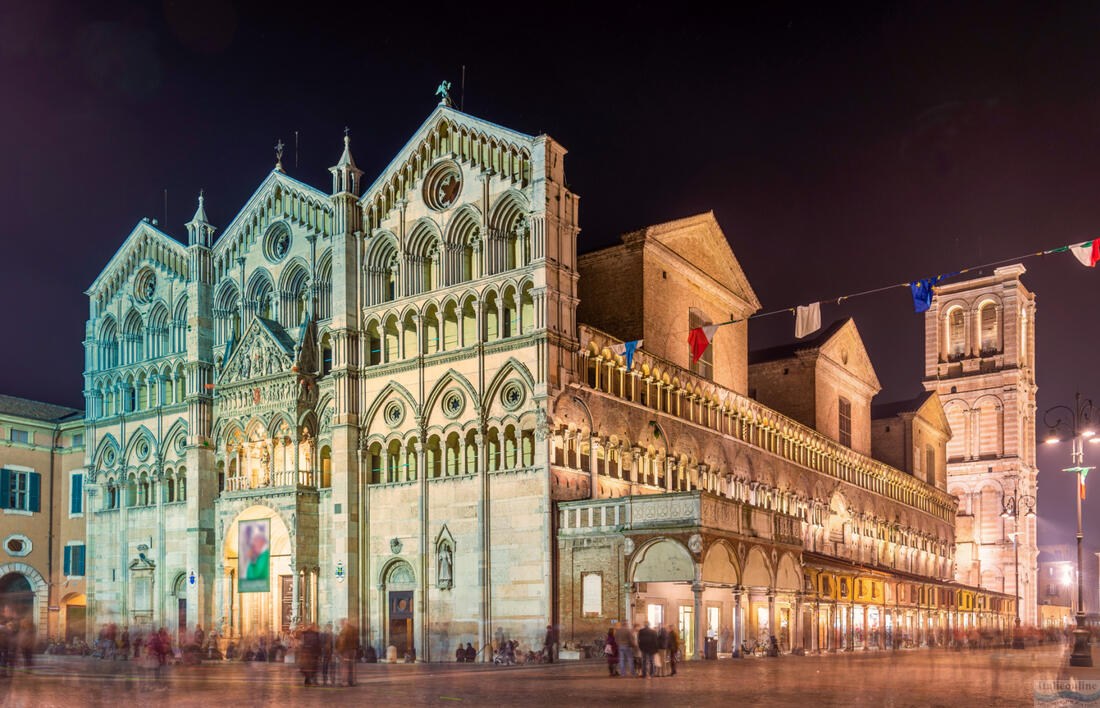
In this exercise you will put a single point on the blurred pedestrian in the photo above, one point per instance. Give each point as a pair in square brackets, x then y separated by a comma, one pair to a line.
[308, 654]
[348, 646]
[611, 651]
[647, 643]
[673, 649]
[328, 669]
[548, 644]
[626, 643]
[27, 640]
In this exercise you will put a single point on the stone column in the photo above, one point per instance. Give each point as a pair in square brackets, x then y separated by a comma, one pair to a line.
[593, 467]
[772, 629]
[738, 629]
[423, 651]
[866, 628]
[483, 529]
[850, 634]
[700, 637]
[796, 625]
[815, 639]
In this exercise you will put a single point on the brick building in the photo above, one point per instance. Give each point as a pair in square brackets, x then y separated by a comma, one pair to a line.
[980, 359]
[738, 497]
[42, 556]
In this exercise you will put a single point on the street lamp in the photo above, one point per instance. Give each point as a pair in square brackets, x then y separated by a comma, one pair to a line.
[1079, 418]
[1011, 508]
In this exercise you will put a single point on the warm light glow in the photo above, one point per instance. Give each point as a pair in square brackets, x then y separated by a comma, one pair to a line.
[1051, 439]
[1067, 575]
[1088, 433]
[1094, 440]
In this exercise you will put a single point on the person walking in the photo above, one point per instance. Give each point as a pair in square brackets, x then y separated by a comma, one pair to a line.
[309, 651]
[328, 673]
[626, 643]
[26, 641]
[661, 660]
[673, 649]
[611, 651]
[548, 644]
[647, 643]
[347, 644]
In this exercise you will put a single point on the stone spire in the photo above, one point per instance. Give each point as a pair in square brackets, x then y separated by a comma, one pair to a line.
[345, 175]
[200, 232]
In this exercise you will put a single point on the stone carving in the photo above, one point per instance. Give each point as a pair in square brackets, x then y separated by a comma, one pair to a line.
[446, 561]
[695, 543]
[395, 545]
[628, 546]
[663, 510]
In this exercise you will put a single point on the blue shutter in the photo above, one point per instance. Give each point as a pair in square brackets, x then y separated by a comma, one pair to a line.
[79, 563]
[32, 497]
[5, 488]
[68, 565]
[78, 491]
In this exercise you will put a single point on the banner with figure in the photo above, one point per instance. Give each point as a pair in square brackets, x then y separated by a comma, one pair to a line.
[254, 556]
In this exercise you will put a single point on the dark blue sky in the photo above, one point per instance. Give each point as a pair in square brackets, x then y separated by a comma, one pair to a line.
[842, 148]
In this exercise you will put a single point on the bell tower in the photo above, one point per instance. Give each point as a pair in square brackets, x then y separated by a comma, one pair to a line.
[980, 358]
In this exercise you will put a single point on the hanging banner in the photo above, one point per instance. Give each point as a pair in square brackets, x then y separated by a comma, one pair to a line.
[254, 556]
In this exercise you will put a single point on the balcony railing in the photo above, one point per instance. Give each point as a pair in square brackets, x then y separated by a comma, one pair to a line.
[652, 382]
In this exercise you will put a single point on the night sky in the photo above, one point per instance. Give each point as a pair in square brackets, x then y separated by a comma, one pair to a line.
[840, 148]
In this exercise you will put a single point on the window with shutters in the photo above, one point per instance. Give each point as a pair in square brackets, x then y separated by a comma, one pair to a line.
[844, 414]
[76, 499]
[20, 436]
[956, 333]
[19, 490]
[988, 319]
[929, 464]
[73, 564]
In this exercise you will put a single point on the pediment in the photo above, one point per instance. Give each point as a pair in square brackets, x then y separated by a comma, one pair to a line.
[279, 197]
[845, 348]
[266, 349]
[146, 244]
[445, 125]
[700, 241]
[932, 411]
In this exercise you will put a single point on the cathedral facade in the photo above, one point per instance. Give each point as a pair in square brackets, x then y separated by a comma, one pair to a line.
[377, 402]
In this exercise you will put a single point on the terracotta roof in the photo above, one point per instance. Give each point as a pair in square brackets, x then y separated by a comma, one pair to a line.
[36, 410]
[787, 351]
[889, 410]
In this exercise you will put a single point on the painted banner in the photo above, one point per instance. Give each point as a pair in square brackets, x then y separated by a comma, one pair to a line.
[254, 556]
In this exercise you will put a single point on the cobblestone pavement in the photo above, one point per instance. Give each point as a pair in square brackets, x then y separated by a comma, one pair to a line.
[909, 678]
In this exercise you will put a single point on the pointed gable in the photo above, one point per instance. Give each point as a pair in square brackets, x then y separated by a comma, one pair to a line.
[845, 349]
[479, 143]
[278, 198]
[699, 241]
[265, 349]
[145, 244]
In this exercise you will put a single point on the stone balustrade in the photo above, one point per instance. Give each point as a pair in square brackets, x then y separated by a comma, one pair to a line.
[665, 387]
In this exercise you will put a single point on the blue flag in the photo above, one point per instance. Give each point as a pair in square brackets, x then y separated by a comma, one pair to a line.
[923, 290]
[626, 350]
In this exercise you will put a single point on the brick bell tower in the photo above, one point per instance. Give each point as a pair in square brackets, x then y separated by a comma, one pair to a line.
[979, 356]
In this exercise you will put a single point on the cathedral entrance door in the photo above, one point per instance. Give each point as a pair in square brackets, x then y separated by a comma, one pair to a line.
[256, 555]
[401, 620]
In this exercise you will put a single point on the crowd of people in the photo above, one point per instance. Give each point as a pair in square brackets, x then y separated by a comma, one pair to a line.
[642, 652]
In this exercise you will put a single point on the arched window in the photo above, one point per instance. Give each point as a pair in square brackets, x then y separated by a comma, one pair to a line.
[988, 319]
[956, 333]
[108, 343]
[326, 354]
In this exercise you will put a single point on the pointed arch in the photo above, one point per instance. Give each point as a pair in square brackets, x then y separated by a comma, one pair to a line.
[451, 377]
[391, 389]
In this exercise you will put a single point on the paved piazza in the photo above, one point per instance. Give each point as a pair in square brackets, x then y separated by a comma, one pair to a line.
[913, 678]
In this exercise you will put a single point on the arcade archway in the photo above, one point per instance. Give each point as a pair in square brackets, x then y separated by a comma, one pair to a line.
[16, 597]
[259, 585]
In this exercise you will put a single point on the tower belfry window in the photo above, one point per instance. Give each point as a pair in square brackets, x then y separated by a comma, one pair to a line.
[844, 416]
[989, 327]
[956, 332]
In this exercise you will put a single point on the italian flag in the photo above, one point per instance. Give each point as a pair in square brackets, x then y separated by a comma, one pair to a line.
[699, 339]
[1088, 253]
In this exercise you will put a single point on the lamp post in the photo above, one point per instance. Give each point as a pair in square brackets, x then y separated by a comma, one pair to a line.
[1011, 508]
[1079, 418]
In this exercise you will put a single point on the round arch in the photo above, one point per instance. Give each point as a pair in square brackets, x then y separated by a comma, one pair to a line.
[720, 565]
[23, 589]
[757, 572]
[662, 560]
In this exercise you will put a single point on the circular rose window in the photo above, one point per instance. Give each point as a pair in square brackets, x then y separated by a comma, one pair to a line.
[442, 186]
